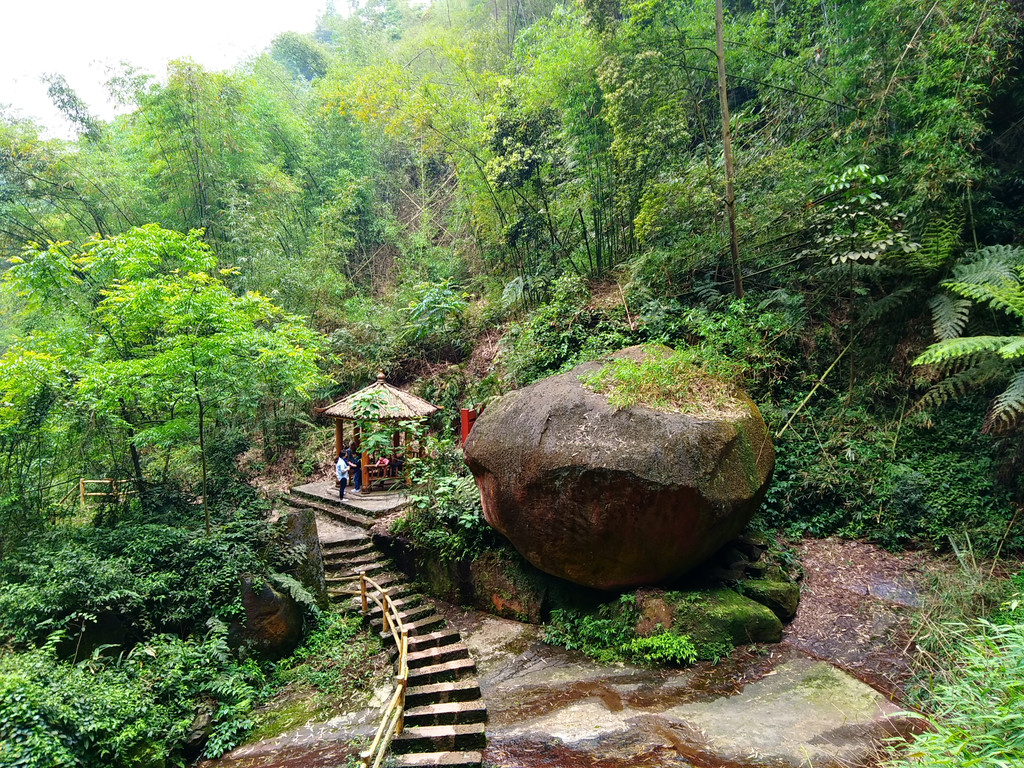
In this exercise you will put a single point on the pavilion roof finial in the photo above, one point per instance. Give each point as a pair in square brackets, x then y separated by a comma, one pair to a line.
[381, 376]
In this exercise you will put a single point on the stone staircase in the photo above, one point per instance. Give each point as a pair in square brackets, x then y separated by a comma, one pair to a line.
[445, 714]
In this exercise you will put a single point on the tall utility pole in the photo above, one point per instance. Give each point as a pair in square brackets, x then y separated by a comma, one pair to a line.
[730, 194]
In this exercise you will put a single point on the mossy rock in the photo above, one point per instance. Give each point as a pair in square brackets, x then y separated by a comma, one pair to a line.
[722, 617]
[782, 597]
[288, 711]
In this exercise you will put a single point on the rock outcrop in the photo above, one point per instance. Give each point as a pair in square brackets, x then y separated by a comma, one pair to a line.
[613, 497]
[301, 537]
[273, 621]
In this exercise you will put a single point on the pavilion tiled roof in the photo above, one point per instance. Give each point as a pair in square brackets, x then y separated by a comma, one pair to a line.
[395, 404]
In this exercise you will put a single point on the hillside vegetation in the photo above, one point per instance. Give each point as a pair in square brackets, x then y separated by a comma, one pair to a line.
[470, 196]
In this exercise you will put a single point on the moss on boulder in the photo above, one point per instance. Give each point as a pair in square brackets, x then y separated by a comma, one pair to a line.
[714, 618]
[782, 597]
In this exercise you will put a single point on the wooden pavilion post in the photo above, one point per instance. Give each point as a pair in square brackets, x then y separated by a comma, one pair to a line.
[339, 438]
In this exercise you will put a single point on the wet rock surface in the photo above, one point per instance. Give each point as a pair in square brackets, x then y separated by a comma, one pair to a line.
[778, 707]
[803, 702]
[611, 497]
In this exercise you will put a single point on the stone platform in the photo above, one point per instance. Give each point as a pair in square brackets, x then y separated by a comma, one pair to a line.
[373, 504]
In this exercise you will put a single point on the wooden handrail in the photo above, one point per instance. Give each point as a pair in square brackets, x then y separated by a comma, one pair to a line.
[115, 490]
[393, 718]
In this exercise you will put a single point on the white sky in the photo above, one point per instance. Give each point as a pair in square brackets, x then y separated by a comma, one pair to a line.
[80, 38]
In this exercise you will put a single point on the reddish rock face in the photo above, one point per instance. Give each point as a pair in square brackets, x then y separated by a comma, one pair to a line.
[616, 498]
[273, 621]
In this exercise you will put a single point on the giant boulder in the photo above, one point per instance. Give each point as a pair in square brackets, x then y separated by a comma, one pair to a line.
[612, 497]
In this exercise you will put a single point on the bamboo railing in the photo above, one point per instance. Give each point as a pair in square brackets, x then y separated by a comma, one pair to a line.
[393, 718]
[115, 489]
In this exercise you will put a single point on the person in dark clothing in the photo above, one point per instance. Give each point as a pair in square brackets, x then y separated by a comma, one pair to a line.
[353, 463]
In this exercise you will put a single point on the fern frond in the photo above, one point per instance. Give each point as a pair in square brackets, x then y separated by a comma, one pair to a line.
[1007, 408]
[1006, 295]
[959, 384]
[708, 293]
[942, 352]
[1013, 350]
[949, 316]
[887, 304]
[991, 264]
[939, 241]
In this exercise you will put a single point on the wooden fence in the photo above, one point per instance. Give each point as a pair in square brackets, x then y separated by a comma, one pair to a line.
[116, 491]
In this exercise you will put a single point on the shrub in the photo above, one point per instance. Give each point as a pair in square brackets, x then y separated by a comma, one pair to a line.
[853, 472]
[664, 648]
[978, 704]
[561, 334]
[445, 516]
[153, 578]
[607, 634]
[132, 710]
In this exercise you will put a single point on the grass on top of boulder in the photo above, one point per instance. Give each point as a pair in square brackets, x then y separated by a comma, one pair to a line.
[657, 377]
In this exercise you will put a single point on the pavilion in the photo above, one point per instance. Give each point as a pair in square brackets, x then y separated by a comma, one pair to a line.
[388, 404]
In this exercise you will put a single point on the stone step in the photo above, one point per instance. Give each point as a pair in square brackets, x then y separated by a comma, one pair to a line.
[449, 713]
[445, 672]
[342, 570]
[355, 603]
[465, 689]
[389, 582]
[348, 558]
[358, 540]
[440, 759]
[401, 603]
[431, 623]
[430, 656]
[409, 616]
[343, 514]
[386, 580]
[432, 738]
[433, 640]
[333, 552]
[347, 575]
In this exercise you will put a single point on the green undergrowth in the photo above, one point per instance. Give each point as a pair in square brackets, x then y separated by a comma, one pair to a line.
[337, 659]
[139, 578]
[977, 703]
[608, 634]
[863, 473]
[336, 666]
[117, 648]
[125, 708]
[445, 517]
[969, 636]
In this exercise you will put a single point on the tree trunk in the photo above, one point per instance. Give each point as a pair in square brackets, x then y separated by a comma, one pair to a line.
[202, 453]
[730, 194]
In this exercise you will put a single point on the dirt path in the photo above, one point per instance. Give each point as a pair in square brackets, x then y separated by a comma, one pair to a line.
[855, 608]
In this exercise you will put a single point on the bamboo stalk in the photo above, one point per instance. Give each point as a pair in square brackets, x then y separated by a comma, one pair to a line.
[813, 390]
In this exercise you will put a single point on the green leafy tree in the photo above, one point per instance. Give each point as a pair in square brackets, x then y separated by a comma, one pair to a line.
[163, 350]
